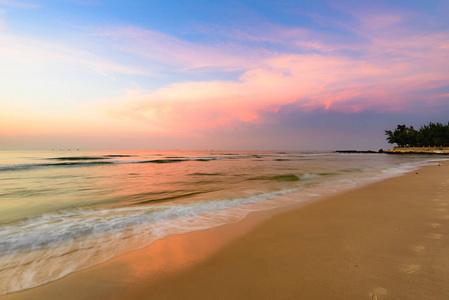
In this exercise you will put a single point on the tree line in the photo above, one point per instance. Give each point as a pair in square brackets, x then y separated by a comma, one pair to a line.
[432, 135]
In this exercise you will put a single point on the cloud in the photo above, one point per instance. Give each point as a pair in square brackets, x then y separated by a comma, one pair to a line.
[388, 74]
[34, 51]
[180, 54]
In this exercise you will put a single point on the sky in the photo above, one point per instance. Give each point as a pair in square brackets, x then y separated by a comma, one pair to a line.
[248, 74]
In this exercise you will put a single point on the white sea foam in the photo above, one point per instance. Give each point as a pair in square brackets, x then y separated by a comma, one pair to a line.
[401, 169]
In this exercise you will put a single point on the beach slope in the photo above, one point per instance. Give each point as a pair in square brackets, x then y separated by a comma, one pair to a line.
[388, 240]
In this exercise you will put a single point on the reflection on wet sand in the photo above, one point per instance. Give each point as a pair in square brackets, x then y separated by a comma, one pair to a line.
[122, 276]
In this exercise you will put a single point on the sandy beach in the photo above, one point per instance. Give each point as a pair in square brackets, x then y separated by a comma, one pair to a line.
[387, 240]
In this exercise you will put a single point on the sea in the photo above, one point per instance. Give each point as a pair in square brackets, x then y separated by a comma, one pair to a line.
[62, 211]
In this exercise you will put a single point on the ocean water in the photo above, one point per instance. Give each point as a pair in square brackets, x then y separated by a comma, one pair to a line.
[63, 211]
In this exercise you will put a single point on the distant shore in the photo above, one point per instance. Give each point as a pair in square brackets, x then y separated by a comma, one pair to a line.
[404, 150]
[387, 240]
[421, 150]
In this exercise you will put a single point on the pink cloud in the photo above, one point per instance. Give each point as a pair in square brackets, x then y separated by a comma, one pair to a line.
[378, 81]
[374, 22]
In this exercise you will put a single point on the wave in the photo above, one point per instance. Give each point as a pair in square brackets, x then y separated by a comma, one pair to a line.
[27, 166]
[158, 161]
[206, 174]
[107, 156]
[402, 169]
[94, 162]
[142, 198]
[39, 250]
[81, 161]
[308, 176]
[286, 177]
[51, 229]
[79, 158]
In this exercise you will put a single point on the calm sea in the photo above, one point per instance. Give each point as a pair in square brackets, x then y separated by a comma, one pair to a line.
[62, 211]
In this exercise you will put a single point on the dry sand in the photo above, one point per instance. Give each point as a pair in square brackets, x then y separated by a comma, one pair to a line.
[388, 240]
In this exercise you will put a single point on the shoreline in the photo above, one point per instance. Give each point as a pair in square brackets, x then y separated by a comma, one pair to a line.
[387, 240]
[230, 249]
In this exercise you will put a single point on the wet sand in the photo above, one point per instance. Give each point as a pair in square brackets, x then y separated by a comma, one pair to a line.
[387, 240]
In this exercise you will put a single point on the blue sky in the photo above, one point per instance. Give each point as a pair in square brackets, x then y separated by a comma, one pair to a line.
[219, 74]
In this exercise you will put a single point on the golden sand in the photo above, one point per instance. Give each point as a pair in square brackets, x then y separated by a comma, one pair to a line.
[388, 240]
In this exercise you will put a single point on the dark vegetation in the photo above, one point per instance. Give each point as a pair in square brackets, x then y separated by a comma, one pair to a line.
[432, 135]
